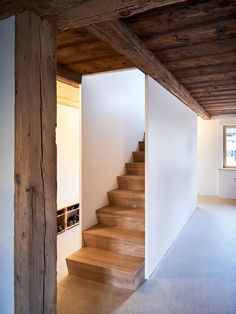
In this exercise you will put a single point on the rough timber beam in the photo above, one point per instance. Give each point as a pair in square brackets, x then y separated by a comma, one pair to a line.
[76, 13]
[68, 77]
[125, 42]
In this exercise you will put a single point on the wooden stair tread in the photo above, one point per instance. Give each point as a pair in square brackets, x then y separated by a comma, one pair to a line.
[135, 163]
[125, 191]
[131, 182]
[132, 176]
[107, 259]
[139, 156]
[136, 236]
[122, 211]
[135, 168]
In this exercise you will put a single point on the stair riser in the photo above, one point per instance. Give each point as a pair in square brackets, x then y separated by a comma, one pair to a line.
[113, 244]
[126, 200]
[131, 183]
[115, 278]
[135, 169]
[121, 222]
[142, 146]
[138, 156]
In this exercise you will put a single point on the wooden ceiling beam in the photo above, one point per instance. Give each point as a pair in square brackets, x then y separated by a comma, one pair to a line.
[66, 76]
[125, 42]
[76, 13]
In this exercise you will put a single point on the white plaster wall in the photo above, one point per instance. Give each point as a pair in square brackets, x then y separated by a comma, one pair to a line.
[212, 178]
[210, 149]
[7, 101]
[171, 179]
[68, 155]
[112, 125]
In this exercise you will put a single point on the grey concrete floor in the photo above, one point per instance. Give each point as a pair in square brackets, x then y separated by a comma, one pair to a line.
[196, 276]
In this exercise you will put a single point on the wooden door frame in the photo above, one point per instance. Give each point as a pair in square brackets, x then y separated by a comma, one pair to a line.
[35, 165]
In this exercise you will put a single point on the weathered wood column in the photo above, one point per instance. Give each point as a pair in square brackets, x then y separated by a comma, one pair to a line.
[35, 165]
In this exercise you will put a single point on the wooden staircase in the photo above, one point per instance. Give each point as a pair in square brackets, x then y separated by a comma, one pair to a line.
[113, 250]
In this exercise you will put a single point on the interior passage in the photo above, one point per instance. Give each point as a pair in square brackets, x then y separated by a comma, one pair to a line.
[197, 274]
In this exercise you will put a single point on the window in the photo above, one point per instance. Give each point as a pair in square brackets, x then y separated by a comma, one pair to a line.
[230, 146]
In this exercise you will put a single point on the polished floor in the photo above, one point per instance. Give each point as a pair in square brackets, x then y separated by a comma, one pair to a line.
[196, 276]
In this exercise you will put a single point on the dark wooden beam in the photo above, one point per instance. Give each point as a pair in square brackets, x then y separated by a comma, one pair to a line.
[125, 42]
[76, 13]
[68, 77]
[35, 165]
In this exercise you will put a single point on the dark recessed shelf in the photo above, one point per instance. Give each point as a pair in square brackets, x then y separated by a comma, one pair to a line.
[63, 214]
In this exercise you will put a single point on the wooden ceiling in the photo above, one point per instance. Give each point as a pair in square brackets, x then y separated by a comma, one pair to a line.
[194, 40]
[188, 46]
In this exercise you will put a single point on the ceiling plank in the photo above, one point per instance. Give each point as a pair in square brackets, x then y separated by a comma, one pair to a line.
[125, 42]
[76, 13]
[100, 65]
[214, 88]
[66, 76]
[213, 60]
[213, 77]
[223, 68]
[220, 46]
[181, 16]
[196, 34]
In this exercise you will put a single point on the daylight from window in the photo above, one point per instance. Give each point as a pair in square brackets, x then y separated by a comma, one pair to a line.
[230, 146]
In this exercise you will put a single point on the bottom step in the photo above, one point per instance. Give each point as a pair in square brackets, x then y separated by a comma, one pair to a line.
[113, 268]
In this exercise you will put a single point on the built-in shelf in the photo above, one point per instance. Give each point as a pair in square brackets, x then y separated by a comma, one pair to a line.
[67, 218]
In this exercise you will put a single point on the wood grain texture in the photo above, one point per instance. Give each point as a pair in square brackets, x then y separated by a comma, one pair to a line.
[123, 241]
[114, 249]
[135, 168]
[126, 198]
[218, 46]
[183, 15]
[35, 166]
[121, 217]
[68, 77]
[74, 13]
[195, 35]
[107, 266]
[119, 36]
[139, 156]
[131, 182]
[142, 145]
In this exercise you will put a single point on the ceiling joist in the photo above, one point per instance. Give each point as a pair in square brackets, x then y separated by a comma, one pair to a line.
[68, 77]
[76, 13]
[125, 42]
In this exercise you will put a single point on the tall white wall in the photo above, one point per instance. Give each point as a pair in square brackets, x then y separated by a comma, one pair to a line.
[171, 180]
[7, 101]
[210, 149]
[68, 155]
[212, 178]
[112, 125]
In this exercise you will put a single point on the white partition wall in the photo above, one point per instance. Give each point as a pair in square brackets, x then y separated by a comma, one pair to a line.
[171, 184]
[112, 125]
[7, 103]
[68, 155]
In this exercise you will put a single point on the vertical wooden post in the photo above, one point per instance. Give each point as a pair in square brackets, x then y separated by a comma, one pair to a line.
[35, 166]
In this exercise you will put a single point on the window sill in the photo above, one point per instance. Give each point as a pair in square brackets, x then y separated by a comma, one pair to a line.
[228, 169]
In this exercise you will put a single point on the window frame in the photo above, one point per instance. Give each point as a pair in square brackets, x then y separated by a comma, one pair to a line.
[225, 127]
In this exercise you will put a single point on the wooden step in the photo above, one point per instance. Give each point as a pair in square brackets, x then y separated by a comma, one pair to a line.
[123, 241]
[126, 198]
[113, 268]
[130, 182]
[135, 168]
[121, 217]
[139, 156]
[142, 145]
